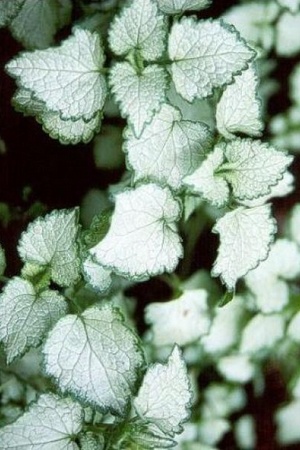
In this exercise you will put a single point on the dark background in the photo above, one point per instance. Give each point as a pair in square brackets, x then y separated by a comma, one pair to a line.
[59, 176]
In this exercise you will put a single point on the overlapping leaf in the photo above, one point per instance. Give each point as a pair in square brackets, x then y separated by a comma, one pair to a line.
[140, 95]
[27, 316]
[67, 78]
[179, 6]
[142, 240]
[96, 357]
[51, 423]
[168, 149]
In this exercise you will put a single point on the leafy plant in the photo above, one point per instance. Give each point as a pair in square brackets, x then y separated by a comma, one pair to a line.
[192, 93]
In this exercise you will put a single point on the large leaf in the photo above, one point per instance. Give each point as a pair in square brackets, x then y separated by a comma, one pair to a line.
[27, 316]
[179, 6]
[50, 424]
[96, 357]
[142, 240]
[168, 149]
[204, 55]
[67, 78]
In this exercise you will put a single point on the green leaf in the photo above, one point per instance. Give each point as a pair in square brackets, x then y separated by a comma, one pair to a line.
[8, 10]
[168, 149]
[239, 109]
[179, 6]
[67, 78]
[51, 241]
[139, 27]
[245, 239]
[96, 357]
[164, 397]
[142, 240]
[38, 21]
[50, 423]
[205, 55]
[26, 316]
[2, 260]
[139, 95]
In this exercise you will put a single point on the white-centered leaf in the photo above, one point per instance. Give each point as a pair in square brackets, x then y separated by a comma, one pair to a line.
[262, 332]
[27, 316]
[50, 423]
[8, 10]
[287, 34]
[245, 238]
[180, 321]
[142, 240]
[268, 282]
[38, 21]
[67, 78]
[139, 27]
[67, 131]
[139, 95]
[96, 357]
[239, 109]
[96, 275]
[205, 55]
[207, 182]
[236, 368]
[253, 167]
[164, 397]
[179, 6]
[51, 242]
[168, 149]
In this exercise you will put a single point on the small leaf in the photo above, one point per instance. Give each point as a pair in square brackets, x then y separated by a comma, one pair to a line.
[246, 236]
[253, 167]
[51, 241]
[140, 95]
[205, 55]
[227, 298]
[165, 397]
[262, 333]
[143, 240]
[239, 109]
[51, 423]
[27, 316]
[168, 149]
[8, 10]
[149, 437]
[96, 275]
[38, 21]
[206, 180]
[96, 357]
[67, 78]
[287, 34]
[179, 6]
[139, 27]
